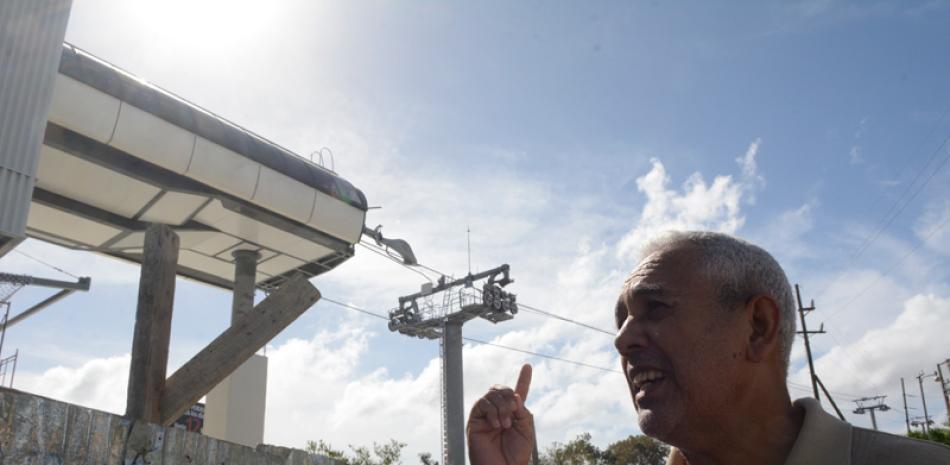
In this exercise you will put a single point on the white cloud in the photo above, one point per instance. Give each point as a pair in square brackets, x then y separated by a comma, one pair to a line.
[873, 363]
[747, 163]
[100, 383]
[855, 155]
[320, 386]
[315, 391]
[931, 228]
[784, 235]
[715, 206]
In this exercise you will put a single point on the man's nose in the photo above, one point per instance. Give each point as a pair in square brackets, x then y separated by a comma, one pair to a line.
[630, 337]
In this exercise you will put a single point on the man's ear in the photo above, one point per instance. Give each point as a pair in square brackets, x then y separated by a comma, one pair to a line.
[764, 318]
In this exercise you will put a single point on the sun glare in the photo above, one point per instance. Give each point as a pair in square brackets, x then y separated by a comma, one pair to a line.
[207, 25]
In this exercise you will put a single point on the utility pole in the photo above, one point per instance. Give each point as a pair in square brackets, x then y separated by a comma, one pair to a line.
[805, 332]
[906, 412]
[920, 381]
[943, 388]
[815, 380]
[878, 404]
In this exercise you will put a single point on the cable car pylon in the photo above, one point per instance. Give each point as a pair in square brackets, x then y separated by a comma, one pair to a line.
[425, 316]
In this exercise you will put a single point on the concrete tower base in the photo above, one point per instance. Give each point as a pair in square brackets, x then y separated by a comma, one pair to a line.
[234, 409]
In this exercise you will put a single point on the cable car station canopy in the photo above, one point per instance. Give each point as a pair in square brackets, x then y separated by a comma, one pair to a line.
[120, 153]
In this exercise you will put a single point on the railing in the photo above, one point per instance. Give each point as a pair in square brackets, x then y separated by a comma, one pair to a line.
[5, 367]
[317, 158]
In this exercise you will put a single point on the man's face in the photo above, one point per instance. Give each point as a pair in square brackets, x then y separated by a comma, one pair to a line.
[681, 352]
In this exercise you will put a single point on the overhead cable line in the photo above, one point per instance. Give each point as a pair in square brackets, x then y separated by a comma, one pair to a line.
[920, 146]
[914, 195]
[379, 251]
[568, 320]
[897, 213]
[862, 356]
[884, 223]
[808, 388]
[399, 262]
[892, 267]
[537, 354]
[45, 263]
[354, 308]
[478, 341]
[550, 357]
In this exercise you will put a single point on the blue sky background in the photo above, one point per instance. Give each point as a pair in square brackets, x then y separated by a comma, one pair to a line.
[561, 133]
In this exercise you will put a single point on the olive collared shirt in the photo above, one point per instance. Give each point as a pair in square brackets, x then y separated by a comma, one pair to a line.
[826, 440]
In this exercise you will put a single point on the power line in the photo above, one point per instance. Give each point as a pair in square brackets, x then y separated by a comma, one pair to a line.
[892, 267]
[355, 308]
[884, 223]
[373, 248]
[550, 357]
[45, 263]
[381, 251]
[567, 320]
[815, 380]
[538, 354]
[897, 213]
[808, 389]
[399, 262]
[478, 341]
[906, 166]
[420, 265]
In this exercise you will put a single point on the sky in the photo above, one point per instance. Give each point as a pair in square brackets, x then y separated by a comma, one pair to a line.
[564, 135]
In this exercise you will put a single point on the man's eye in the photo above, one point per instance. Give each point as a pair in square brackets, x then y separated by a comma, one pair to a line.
[655, 308]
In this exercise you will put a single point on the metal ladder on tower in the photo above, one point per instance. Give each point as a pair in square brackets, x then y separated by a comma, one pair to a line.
[446, 302]
[442, 400]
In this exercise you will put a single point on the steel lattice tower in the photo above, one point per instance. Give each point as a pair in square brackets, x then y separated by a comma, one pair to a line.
[423, 316]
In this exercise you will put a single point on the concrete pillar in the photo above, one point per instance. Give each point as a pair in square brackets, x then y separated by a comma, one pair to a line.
[245, 277]
[31, 44]
[454, 395]
[235, 408]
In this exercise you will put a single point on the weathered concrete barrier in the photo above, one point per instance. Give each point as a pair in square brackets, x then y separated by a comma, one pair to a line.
[41, 431]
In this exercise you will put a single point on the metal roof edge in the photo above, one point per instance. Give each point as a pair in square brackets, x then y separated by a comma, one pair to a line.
[112, 80]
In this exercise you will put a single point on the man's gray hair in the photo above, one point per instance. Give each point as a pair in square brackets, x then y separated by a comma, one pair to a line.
[740, 270]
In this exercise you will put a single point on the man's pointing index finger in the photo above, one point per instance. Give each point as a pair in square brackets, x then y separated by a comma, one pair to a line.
[524, 382]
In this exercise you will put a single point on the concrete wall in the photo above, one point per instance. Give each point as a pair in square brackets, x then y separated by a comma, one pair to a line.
[37, 430]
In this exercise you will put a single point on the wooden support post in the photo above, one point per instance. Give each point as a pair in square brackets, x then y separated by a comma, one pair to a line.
[235, 346]
[153, 321]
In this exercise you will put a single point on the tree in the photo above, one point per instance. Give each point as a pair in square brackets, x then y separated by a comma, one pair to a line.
[389, 454]
[385, 454]
[579, 451]
[636, 450]
[426, 459]
[322, 448]
[939, 435]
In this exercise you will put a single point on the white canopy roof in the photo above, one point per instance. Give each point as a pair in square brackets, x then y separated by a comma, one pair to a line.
[120, 153]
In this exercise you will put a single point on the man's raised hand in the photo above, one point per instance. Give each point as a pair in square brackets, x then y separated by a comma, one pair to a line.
[500, 428]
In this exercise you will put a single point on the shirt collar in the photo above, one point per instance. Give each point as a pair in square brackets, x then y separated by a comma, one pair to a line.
[823, 439]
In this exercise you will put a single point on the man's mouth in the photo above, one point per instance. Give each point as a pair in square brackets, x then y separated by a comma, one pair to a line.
[646, 378]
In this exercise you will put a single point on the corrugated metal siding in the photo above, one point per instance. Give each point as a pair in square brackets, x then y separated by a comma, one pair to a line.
[16, 189]
[31, 38]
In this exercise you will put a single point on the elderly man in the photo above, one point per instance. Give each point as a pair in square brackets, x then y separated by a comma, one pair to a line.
[705, 325]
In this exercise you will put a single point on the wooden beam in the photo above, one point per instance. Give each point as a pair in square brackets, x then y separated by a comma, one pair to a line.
[153, 322]
[235, 346]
